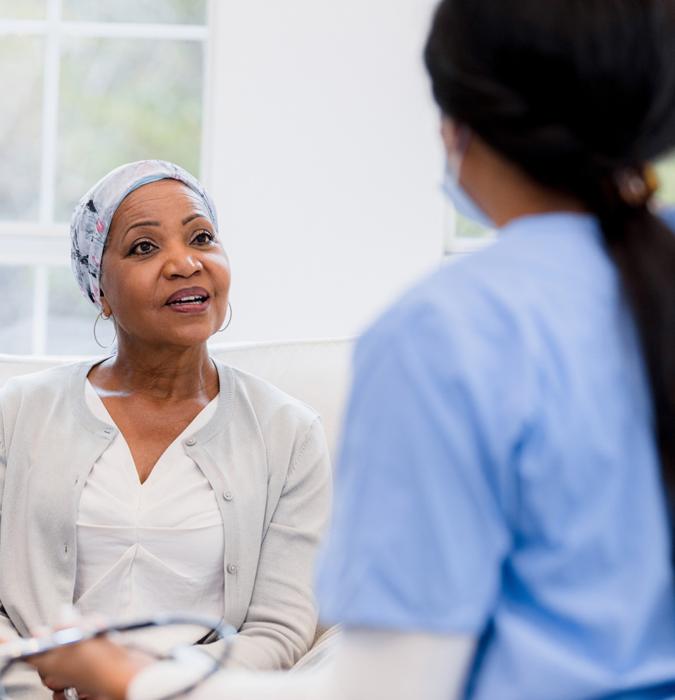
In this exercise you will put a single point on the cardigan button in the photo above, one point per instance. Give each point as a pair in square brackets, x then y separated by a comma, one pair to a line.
[228, 495]
[232, 568]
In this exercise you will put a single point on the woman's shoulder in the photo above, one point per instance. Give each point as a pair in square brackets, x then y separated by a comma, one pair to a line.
[266, 400]
[40, 386]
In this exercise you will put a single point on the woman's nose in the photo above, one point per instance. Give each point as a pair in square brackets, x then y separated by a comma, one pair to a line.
[182, 264]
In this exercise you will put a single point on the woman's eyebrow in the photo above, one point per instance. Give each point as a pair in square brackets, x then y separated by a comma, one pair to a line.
[194, 216]
[142, 223]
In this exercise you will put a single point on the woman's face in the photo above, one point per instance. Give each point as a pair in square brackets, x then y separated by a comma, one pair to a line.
[165, 275]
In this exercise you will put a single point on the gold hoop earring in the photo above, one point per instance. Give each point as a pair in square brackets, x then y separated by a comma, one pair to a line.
[229, 320]
[98, 342]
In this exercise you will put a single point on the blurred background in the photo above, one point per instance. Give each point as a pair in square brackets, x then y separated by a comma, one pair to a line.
[311, 124]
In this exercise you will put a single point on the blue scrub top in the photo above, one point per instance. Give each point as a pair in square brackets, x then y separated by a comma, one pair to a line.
[499, 476]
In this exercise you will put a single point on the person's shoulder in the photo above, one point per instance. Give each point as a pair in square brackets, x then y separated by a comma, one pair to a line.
[494, 294]
[25, 398]
[41, 384]
[264, 399]
[451, 305]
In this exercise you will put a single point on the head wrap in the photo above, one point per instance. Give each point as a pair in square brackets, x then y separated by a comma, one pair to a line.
[93, 214]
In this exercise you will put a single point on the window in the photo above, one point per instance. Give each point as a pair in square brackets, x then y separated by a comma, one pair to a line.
[666, 172]
[86, 86]
[462, 235]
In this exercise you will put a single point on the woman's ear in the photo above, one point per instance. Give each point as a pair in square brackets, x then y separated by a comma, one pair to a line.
[107, 311]
[450, 135]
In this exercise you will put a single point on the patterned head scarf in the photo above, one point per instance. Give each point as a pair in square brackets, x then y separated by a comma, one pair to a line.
[94, 212]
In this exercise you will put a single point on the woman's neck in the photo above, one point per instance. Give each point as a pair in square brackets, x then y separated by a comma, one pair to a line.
[504, 191]
[163, 374]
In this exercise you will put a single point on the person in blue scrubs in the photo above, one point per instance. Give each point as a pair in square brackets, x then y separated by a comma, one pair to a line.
[502, 527]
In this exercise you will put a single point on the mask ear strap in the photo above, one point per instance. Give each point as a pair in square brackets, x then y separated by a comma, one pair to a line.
[462, 138]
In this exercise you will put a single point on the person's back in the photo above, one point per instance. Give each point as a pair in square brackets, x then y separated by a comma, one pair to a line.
[587, 602]
[587, 598]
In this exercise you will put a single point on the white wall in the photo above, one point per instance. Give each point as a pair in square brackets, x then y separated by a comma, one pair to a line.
[325, 160]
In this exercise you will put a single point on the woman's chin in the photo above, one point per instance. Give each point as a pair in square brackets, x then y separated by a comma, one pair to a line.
[179, 338]
[191, 339]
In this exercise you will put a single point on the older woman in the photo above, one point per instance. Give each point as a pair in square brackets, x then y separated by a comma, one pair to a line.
[159, 479]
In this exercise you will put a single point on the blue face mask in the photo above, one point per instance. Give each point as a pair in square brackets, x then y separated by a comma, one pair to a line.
[463, 203]
[461, 200]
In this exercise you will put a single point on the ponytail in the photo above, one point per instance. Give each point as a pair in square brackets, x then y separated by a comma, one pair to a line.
[643, 249]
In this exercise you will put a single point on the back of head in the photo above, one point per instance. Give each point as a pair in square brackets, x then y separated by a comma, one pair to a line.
[581, 95]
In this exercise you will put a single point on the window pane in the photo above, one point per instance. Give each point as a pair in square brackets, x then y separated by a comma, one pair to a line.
[22, 9]
[466, 228]
[666, 170]
[21, 59]
[16, 311]
[157, 11]
[70, 329]
[125, 100]
[462, 234]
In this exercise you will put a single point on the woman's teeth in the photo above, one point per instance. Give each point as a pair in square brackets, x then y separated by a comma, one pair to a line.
[189, 300]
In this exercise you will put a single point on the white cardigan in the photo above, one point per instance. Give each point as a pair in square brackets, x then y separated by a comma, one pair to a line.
[263, 452]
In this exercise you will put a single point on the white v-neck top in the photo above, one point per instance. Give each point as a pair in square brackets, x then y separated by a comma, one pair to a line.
[149, 548]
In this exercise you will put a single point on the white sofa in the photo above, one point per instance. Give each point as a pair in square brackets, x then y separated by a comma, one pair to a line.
[314, 371]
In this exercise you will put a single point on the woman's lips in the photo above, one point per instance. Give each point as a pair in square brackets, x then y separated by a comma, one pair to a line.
[189, 301]
[191, 307]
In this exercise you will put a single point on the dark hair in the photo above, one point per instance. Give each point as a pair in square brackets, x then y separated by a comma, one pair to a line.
[579, 93]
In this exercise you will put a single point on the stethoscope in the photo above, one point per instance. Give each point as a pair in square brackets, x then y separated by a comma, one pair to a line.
[205, 665]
